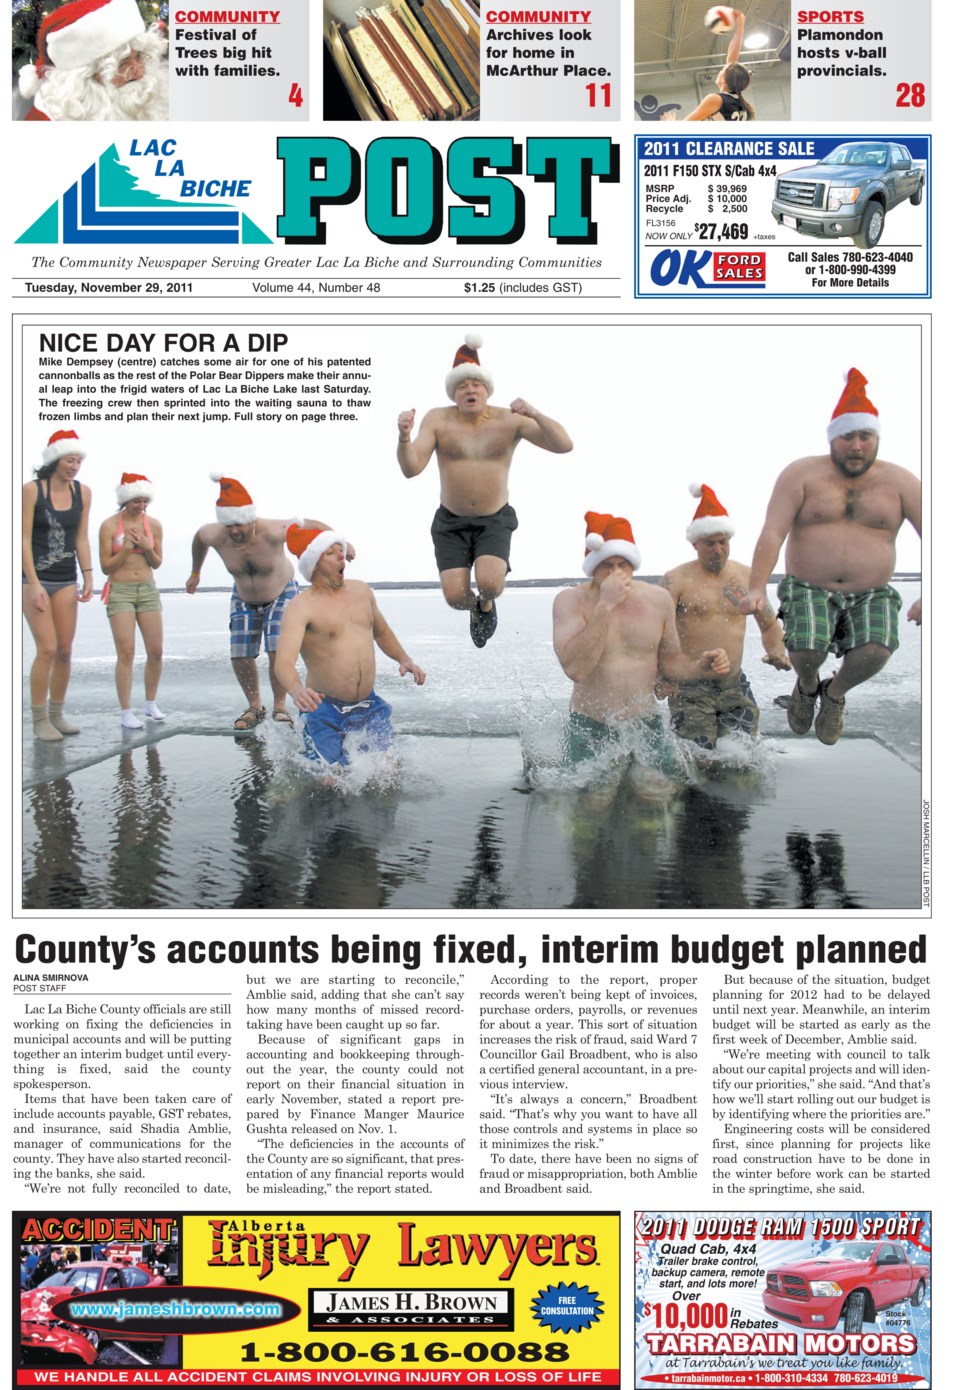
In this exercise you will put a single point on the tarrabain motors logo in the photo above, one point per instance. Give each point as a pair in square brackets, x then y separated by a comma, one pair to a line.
[710, 270]
[108, 204]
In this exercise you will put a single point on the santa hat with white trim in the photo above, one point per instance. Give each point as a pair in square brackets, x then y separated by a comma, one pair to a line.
[608, 536]
[854, 411]
[79, 33]
[134, 485]
[466, 365]
[710, 518]
[234, 505]
[309, 544]
[60, 444]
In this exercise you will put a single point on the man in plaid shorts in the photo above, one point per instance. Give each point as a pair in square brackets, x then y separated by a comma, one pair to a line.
[839, 514]
[252, 549]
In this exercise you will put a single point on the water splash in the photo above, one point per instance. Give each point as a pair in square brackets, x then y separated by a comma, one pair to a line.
[370, 771]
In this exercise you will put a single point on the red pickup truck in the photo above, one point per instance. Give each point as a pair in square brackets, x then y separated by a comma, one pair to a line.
[853, 1281]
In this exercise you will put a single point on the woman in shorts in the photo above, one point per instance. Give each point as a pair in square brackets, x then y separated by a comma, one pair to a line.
[131, 548]
[56, 513]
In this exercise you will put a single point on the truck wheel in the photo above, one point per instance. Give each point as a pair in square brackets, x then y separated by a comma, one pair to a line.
[917, 198]
[871, 227]
[919, 1294]
[856, 1307]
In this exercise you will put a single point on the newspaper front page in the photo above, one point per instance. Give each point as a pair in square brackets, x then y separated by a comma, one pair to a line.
[471, 904]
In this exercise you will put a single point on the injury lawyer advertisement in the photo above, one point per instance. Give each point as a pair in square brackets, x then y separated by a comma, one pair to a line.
[470, 895]
[329, 1297]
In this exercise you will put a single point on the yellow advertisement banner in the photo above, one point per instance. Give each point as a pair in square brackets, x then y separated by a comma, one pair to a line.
[441, 1298]
[370, 1299]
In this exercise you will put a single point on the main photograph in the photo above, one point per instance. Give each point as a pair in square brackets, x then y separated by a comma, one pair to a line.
[324, 616]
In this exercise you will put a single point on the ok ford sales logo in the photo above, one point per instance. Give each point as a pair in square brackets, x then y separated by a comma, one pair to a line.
[108, 204]
[710, 270]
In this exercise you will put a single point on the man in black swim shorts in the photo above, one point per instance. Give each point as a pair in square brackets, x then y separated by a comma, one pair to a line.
[474, 444]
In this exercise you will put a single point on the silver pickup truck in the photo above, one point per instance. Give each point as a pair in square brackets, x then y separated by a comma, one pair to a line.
[850, 191]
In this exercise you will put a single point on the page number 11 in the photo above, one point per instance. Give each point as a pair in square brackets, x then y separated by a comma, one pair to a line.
[604, 93]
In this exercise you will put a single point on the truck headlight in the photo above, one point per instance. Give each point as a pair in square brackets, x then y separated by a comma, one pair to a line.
[825, 1288]
[837, 197]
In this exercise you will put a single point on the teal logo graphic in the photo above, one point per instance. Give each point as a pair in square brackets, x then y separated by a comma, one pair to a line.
[106, 206]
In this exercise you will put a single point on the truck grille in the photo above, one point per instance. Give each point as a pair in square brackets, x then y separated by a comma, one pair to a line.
[789, 1285]
[803, 195]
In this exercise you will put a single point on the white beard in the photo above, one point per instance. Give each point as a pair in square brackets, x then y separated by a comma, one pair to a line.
[87, 94]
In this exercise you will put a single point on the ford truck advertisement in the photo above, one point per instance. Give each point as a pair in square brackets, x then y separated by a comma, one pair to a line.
[850, 192]
[852, 1282]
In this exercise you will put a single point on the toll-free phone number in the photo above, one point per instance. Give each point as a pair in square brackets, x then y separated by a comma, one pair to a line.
[433, 1352]
[803, 1379]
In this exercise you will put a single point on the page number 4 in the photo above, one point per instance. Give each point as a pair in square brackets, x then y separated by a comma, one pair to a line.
[296, 94]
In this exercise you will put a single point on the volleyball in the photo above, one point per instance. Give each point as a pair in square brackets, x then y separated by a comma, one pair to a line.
[719, 19]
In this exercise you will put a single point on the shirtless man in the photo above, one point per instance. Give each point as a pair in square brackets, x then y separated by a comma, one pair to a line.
[614, 637]
[474, 444]
[251, 548]
[839, 514]
[706, 593]
[333, 625]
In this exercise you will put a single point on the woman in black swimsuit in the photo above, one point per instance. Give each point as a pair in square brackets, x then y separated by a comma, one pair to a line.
[729, 103]
[56, 510]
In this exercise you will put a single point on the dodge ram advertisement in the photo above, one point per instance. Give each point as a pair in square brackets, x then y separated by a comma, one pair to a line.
[783, 1298]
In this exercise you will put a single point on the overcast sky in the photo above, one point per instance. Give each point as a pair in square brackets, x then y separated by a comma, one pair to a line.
[650, 407]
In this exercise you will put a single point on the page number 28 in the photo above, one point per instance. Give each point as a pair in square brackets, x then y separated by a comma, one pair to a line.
[911, 94]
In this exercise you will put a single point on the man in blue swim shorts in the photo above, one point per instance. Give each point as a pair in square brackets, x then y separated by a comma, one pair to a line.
[251, 548]
[333, 625]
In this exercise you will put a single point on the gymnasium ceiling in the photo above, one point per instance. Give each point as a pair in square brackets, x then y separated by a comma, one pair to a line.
[670, 37]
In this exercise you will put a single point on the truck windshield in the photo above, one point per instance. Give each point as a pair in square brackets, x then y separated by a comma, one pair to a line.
[875, 155]
[852, 1250]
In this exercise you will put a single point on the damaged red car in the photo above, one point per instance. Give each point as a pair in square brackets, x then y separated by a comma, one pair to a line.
[43, 1334]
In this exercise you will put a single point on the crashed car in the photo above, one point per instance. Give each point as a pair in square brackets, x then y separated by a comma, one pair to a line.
[43, 1334]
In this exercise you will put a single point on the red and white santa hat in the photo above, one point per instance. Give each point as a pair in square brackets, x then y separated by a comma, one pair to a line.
[466, 365]
[854, 411]
[608, 536]
[710, 518]
[310, 543]
[60, 444]
[79, 33]
[134, 485]
[234, 505]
